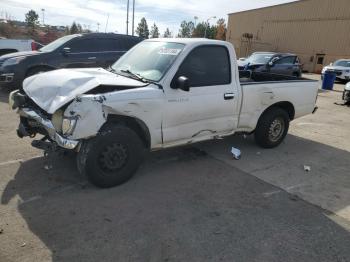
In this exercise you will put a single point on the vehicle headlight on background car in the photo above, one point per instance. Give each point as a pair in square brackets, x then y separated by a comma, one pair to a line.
[68, 125]
[13, 61]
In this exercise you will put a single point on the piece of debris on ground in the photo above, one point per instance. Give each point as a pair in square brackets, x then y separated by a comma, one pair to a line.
[307, 168]
[236, 153]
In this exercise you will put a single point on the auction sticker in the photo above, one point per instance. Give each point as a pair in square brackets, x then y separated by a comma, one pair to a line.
[169, 51]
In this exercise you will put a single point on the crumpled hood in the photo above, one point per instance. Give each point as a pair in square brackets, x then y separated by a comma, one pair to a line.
[52, 90]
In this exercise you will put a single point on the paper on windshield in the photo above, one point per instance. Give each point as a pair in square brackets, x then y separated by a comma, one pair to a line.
[169, 51]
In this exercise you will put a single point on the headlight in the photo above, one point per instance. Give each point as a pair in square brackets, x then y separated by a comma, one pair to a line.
[13, 61]
[68, 125]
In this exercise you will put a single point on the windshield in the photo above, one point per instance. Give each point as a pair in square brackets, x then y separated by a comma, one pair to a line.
[149, 60]
[344, 63]
[57, 43]
[259, 58]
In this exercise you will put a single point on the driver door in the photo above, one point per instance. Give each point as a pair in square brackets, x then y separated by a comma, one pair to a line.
[209, 107]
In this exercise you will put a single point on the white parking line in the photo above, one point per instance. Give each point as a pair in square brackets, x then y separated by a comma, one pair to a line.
[51, 192]
[19, 160]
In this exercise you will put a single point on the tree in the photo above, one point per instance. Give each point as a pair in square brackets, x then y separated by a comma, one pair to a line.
[186, 29]
[167, 33]
[154, 31]
[199, 30]
[74, 29]
[221, 30]
[32, 19]
[142, 28]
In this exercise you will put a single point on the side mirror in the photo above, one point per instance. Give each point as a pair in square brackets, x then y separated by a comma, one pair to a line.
[183, 83]
[271, 64]
[66, 50]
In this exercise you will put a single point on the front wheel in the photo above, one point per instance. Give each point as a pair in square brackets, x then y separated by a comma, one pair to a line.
[272, 127]
[112, 157]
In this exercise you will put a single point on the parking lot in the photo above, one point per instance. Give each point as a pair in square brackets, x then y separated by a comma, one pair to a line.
[186, 204]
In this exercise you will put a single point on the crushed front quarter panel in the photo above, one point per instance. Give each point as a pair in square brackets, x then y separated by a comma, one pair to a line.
[52, 90]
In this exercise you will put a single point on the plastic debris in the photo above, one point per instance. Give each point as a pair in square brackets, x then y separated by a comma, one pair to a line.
[307, 168]
[48, 167]
[236, 153]
[23, 245]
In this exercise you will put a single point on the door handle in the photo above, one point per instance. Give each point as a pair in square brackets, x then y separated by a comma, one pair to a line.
[92, 57]
[229, 96]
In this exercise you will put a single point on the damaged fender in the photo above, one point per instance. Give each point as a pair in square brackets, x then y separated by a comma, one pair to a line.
[90, 113]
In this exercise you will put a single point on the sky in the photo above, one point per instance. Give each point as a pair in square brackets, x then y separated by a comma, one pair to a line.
[165, 13]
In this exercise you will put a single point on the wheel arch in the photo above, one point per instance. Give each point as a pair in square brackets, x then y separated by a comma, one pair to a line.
[38, 66]
[285, 105]
[133, 123]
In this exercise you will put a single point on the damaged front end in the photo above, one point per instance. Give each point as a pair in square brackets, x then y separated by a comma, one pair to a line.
[34, 120]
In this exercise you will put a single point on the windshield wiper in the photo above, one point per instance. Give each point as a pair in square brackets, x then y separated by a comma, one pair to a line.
[138, 77]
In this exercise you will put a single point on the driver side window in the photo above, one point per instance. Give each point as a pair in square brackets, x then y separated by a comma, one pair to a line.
[206, 66]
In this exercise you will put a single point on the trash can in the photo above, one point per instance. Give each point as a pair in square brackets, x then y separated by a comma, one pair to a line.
[328, 80]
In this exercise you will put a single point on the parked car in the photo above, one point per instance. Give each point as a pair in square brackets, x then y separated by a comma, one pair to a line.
[346, 94]
[18, 45]
[162, 93]
[72, 51]
[276, 63]
[341, 68]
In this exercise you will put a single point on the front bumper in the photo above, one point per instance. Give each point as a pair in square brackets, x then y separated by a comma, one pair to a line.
[10, 78]
[346, 95]
[48, 126]
[33, 121]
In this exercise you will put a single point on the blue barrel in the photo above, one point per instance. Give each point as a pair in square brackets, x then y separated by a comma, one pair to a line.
[328, 80]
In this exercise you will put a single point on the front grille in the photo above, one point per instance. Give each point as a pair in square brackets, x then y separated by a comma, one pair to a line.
[337, 72]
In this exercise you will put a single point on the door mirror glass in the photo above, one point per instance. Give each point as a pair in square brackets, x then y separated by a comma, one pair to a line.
[271, 63]
[183, 83]
[66, 50]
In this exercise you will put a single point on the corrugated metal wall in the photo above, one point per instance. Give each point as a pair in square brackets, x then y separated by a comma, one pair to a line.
[306, 27]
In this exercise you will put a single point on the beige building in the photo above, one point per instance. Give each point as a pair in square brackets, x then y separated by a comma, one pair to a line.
[318, 31]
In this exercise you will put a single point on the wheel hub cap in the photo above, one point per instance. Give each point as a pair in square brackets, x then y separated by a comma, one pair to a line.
[276, 129]
[113, 157]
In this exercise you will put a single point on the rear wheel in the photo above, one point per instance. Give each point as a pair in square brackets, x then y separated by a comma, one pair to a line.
[112, 157]
[272, 127]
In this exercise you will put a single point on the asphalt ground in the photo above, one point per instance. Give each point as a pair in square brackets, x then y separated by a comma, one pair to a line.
[185, 204]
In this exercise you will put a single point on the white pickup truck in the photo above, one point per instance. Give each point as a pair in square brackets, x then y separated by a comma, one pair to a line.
[162, 93]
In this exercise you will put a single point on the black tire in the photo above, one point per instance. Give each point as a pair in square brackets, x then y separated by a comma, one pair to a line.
[272, 127]
[112, 157]
[37, 70]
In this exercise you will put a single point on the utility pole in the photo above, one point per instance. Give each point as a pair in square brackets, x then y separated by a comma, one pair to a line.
[106, 23]
[127, 18]
[43, 11]
[133, 16]
[207, 25]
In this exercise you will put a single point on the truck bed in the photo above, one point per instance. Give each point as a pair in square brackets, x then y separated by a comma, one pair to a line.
[249, 77]
[261, 90]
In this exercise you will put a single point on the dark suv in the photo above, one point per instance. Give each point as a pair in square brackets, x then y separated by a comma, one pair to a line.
[71, 51]
[276, 63]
